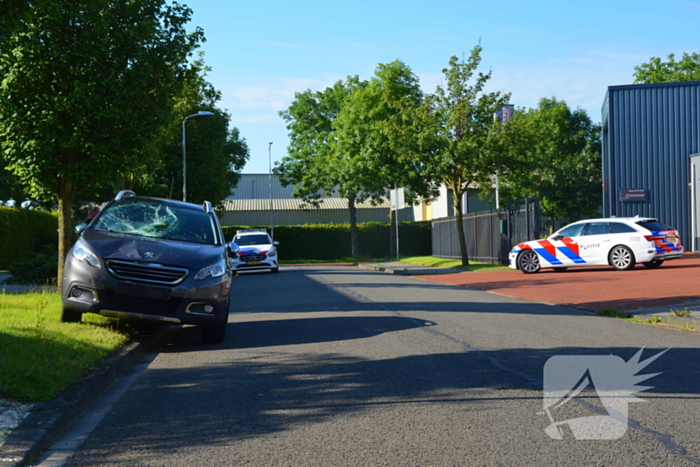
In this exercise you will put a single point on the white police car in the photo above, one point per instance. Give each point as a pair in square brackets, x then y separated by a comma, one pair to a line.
[254, 250]
[620, 242]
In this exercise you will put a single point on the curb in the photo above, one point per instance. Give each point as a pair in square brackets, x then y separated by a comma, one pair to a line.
[407, 271]
[48, 420]
[686, 323]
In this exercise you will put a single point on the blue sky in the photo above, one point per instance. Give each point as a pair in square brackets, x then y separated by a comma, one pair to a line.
[262, 53]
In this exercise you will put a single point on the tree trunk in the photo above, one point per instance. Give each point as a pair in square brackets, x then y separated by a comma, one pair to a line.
[65, 230]
[457, 197]
[354, 235]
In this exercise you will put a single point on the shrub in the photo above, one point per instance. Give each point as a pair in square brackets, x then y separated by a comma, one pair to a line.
[332, 241]
[36, 268]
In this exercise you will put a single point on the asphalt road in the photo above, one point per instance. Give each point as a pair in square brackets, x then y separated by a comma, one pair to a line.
[338, 366]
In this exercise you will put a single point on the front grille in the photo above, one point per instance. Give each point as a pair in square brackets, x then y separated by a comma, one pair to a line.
[146, 272]
[253, 258]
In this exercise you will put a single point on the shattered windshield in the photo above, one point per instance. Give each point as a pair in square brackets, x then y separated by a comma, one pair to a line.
[156, 220]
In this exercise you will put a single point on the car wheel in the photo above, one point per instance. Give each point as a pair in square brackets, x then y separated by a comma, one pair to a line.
[70, 316]
[653, 264]
[621, 258]
[528, 262]
[275, 270]
[216, 333]
[560, 269]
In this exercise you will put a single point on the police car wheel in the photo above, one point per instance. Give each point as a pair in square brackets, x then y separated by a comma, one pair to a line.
[653, 264]
[528, 262]
[621, 258]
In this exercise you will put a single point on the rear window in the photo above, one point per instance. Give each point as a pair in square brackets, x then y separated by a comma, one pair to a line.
[654, 226]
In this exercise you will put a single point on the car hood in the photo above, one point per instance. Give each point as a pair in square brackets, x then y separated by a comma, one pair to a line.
[255, 249]
[166, 252]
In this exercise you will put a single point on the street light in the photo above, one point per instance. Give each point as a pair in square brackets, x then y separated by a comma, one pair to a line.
[269, 155]
[201, 113]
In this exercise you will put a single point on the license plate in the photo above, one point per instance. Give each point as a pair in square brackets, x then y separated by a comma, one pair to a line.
[253, 263]
[143, 291]
[670, 239]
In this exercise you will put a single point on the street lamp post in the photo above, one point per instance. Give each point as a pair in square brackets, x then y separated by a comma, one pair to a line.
[269, 155]
[201, 113]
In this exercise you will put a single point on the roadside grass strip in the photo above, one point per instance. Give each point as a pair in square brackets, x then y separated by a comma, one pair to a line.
[451, 263]
[39, 355]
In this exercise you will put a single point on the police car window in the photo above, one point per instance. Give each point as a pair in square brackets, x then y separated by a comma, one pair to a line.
[619, 227]
[597, 228]
[571, 230]
[245, 240]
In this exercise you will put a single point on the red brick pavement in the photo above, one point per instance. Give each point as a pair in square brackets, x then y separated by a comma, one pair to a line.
[592, 288]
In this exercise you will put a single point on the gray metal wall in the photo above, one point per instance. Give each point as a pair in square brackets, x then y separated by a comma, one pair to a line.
[257, 186]
[649, 133]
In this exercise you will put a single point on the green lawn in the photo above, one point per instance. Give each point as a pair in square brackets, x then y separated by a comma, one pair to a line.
[451, 263]
[39, 355]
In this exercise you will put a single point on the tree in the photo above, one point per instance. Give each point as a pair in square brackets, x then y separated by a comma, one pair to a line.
[556, 157]
[672, 71]
[379, 139]
[88, 87]
[314, 163]
[460, 132]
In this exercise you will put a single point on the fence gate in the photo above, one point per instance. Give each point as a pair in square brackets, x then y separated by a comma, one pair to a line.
[491, 234]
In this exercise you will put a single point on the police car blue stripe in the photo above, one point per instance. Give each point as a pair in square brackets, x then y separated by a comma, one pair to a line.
[569, 253]
[547, 256]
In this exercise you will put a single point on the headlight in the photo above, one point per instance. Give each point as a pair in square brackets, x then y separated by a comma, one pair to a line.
[215, 270]
[272, 253]
[81, 253]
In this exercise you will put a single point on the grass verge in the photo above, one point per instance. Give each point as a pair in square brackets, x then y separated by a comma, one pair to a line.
[39, 355]
[451, 263]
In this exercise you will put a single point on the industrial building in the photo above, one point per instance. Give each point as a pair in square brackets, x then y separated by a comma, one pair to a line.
[651, 152]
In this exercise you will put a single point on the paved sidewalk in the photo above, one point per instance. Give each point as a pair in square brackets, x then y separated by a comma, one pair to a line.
[405, 269]
[660, 314]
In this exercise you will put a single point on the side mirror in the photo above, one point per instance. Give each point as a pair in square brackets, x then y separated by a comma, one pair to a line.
[276, 243]
[556, 237]
[232, 248]
[79, 229]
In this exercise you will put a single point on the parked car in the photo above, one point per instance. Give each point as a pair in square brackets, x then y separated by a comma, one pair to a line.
[620, 242]
[254, 250]
[151, 259]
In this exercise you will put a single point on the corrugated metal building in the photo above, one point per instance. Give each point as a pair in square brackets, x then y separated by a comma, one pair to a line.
[650, 132]
[250, 205]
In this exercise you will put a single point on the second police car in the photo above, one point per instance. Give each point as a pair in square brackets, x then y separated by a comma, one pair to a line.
[254, 250]
[620, 242]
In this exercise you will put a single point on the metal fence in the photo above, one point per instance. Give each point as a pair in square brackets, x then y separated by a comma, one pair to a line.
[491, 234]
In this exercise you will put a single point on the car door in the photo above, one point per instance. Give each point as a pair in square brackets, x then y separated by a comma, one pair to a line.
[595, 243]
[566, 243]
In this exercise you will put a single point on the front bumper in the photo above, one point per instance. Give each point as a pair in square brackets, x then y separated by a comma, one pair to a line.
[92, 290]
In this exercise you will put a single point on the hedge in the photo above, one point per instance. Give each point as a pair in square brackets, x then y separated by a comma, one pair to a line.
[332, 241]
[24, 231]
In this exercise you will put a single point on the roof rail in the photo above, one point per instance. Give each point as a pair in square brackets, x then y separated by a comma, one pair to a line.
[124, 194]
[207, 206]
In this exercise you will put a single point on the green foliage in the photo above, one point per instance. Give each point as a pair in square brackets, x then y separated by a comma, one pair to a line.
[332, 241]
[88, 88]
[459, 132]
[612, 313]
[554, 154]
[37, 268]
[671, 71]
[684, 313]
[23, 232]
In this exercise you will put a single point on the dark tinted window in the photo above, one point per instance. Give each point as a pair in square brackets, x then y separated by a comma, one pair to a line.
[653, 225]
[597, 228]
[258, 239]
[619, 227]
